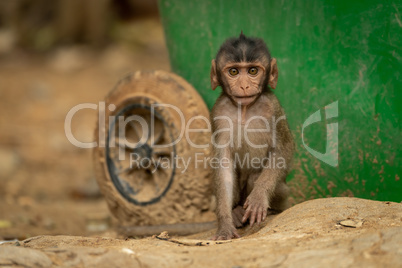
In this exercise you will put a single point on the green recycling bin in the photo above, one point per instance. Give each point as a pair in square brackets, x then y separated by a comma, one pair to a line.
[339, 82]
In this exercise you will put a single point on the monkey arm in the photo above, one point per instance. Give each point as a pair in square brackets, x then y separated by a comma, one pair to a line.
[257, 203]
[270, 185]
[270, 190]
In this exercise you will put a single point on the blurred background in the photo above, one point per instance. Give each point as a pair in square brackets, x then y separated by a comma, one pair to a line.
[53, 56]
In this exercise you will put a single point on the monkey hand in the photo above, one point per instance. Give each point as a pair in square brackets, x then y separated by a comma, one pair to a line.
[226, 233]
[256, 207]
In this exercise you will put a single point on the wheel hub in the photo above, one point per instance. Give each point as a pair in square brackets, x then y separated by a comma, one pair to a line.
[147, 177]
[144, 151]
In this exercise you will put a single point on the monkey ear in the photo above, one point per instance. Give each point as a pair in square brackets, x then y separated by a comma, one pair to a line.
[273, 76]
[214, 77]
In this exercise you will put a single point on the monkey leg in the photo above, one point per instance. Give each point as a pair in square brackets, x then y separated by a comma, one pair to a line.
[238, 211]
[226, 227]
[237, 215]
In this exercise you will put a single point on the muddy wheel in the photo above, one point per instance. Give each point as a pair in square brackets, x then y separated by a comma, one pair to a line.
[149, 169]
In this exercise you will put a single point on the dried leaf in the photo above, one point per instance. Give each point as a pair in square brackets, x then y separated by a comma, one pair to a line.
[351, 223]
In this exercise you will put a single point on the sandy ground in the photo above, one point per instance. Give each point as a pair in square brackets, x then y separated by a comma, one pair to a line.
[332, 232]
[51, 208]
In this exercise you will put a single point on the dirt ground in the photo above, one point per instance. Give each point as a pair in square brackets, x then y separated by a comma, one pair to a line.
[332, 232]
[54, 215]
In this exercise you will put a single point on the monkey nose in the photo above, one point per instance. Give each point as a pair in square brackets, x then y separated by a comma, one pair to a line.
[244, 87]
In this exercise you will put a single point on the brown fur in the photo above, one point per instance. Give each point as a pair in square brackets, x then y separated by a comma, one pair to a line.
[255, 189]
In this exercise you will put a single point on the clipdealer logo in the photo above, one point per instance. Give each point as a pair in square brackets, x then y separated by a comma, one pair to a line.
[330, 156]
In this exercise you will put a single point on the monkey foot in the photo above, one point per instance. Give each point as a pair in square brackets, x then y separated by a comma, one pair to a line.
[226, 234]
[237, 215]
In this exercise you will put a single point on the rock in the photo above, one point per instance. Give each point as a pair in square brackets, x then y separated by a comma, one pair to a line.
[26, 257]
[320, 258]
[366, 242]
[392, 240]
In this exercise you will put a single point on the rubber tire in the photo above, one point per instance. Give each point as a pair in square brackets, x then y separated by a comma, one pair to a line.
[189, 194]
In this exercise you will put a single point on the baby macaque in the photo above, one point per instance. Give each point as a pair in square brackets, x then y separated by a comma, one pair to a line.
[251, 136]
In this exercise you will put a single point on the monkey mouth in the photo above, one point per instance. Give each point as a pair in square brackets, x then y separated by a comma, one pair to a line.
[245, 97]
[245, 100]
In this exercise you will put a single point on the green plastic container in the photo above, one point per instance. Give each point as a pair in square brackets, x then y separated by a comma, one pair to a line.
[339, 64]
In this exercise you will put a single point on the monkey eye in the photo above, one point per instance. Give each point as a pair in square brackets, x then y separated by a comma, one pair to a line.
[233, 71]
[253, 71]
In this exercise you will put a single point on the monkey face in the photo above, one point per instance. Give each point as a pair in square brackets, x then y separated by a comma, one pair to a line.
[244, 81]
[244, 69]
